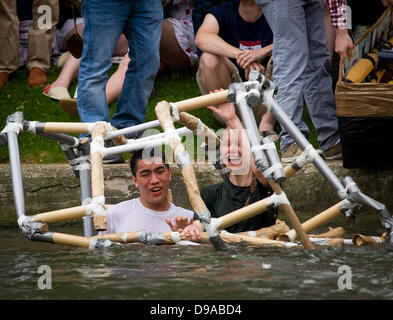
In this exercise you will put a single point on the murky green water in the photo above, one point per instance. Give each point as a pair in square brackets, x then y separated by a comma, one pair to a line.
[137, 271]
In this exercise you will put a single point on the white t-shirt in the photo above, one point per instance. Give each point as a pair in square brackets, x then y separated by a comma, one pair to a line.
[132, 215]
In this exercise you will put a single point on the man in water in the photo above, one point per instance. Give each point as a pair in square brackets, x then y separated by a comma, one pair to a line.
[152, 211]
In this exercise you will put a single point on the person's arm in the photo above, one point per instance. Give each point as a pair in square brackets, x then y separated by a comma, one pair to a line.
[343, 43]
[247, 57]
[208, 40]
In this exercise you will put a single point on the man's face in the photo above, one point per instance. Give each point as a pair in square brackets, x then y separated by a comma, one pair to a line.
[152, 179]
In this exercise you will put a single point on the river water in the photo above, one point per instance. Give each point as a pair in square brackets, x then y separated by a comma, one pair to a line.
[138, 271]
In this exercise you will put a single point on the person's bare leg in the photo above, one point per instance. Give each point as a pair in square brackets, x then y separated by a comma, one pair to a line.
[214, 72]
[115, 82]
[121, 48]
[68, 73]
[172, 55]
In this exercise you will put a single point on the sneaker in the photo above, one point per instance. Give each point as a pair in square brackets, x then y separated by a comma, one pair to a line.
[291, 153]
[333, 153]
[112, 158]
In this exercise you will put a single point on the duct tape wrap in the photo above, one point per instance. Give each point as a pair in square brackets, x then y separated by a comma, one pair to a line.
[171, 134]
[264, 146]
[97, 145]
[13, 127]
[77, 165]
[153, 238]
[99, 243]
[268, 172]
[124, 237]
[307, 156]
[96, 206]
[108, 127]
[174, 112]
[343, 193]
[279, 199]
[252, 234]
[183, 159]
[32, 127]
[30, 229]
[175, 236]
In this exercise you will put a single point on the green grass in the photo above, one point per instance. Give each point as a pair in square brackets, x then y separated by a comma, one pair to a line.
[17, 96]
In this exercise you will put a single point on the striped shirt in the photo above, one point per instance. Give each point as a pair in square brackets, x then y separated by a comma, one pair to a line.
[338, 12]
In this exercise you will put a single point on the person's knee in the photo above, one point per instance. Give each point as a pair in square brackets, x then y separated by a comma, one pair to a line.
[209, 62]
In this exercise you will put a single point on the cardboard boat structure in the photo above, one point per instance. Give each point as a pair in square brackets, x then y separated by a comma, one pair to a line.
[85, 158]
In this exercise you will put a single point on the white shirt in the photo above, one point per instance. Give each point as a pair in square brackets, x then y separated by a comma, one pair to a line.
[132, 215]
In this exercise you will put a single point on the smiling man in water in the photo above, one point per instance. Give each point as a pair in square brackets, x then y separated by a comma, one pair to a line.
[151, 211]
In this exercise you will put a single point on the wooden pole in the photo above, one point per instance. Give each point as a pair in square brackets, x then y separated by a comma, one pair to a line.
[291, 215]
[315, 222]
[97, 176]
[202, 101]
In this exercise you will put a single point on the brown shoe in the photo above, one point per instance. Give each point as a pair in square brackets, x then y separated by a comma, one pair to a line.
[37, 77]
[4, 77]
[333, 153]
[291, 153]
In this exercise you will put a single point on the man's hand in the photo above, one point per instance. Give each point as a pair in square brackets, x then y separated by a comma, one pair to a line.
[193, 230]
[179, 223]
[344, 44]
[246, 57]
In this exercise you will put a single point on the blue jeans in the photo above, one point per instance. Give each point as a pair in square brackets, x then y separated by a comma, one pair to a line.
[302, 67]
[105, 21]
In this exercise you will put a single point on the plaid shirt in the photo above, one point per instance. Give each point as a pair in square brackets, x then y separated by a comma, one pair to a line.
[338, 12]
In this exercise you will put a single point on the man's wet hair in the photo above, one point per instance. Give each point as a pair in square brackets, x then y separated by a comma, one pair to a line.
[147, 155]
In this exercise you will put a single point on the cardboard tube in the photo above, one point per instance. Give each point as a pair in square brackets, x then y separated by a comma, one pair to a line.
[244, 213]
[71, 240]
[125, 237]
[315, 221]
[202, 101]
[133, 237]
[289, 171]
[332, 233]
[361, 240]
[291, 215]
[192, 123]
[271, 232]
[236, 238]
[61, 215]
[170, 197]
[163, 115]
[66, 127]
[335, 242]
[97, 176]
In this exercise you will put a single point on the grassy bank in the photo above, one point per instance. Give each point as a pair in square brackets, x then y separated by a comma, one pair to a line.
[17, 96]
